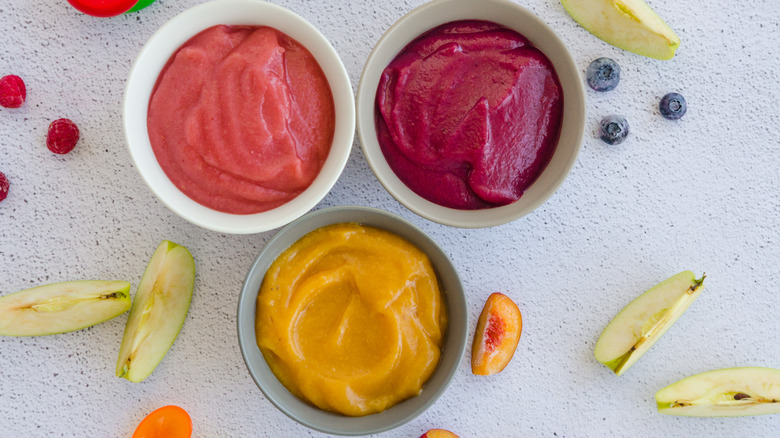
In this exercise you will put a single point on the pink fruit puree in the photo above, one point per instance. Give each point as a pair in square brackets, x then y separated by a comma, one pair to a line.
[241, 119]
[469, 114]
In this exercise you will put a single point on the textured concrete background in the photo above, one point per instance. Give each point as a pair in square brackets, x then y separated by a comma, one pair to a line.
[699, 194]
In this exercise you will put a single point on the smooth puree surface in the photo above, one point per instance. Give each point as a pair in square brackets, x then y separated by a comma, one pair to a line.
[241, 119]
[469, 114]
[351, 318]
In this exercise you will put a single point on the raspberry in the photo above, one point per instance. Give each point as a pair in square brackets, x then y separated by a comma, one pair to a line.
[62, 137]
[3, 186]
[12, 91]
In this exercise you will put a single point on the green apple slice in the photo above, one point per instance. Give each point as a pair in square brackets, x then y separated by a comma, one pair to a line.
[629, 24]
[731, 392]
[62, 307]
[641, 323]
[159, 309]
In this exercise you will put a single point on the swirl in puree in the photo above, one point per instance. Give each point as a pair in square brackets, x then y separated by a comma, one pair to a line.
[351, 318]
[241, 119]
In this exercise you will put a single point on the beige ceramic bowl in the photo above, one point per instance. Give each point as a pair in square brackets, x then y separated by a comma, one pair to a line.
[155, 55]
[514, 17]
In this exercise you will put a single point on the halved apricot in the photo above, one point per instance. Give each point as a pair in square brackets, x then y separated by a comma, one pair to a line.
[497, 335]
[438, 433]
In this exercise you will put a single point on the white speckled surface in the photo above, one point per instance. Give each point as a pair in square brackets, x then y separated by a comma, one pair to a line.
[702, 194]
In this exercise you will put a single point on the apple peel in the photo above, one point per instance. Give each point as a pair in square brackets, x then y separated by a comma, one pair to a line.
[730, 392]
[628, 24]
[644, 320]
[62, 307]
[159, 309]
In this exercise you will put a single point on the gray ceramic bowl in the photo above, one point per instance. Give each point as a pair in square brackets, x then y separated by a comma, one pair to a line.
[308, 415]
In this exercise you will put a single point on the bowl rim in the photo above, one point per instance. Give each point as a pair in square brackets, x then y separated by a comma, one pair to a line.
[161, 46]
[247, 309]
[573, 118]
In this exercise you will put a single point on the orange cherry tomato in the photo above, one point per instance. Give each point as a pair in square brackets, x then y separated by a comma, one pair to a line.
[166, 422]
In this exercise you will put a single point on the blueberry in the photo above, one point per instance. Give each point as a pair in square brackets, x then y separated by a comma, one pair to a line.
[613, 129]
[603, 74]
[673, 106]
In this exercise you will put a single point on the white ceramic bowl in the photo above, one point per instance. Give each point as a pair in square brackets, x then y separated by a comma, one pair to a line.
[508, 14]
[155, 55]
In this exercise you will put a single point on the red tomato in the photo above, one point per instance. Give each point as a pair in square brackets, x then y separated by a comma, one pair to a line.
[166, 422]
[103, 8]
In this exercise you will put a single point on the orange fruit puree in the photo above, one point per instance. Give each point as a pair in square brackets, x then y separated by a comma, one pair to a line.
[351, 318]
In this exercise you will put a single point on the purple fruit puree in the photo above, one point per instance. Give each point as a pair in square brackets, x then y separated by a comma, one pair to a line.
[469, 114]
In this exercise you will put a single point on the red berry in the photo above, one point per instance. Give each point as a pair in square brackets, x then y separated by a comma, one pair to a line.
[62, 137]
[3, 186]
[12, 91]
